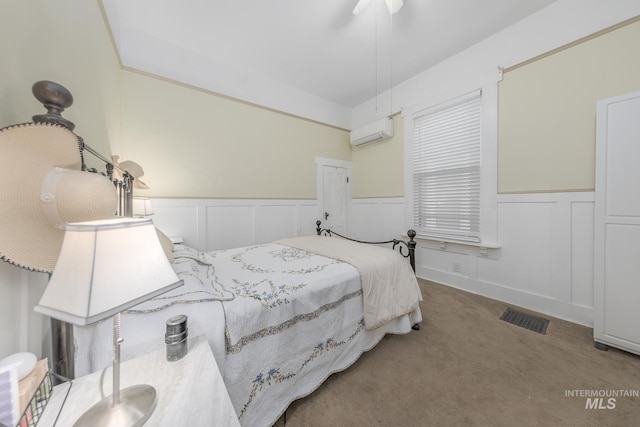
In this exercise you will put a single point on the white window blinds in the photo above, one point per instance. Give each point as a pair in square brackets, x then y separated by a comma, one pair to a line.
[446, 170]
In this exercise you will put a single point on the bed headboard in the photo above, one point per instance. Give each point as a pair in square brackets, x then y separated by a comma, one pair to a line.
[55, 99]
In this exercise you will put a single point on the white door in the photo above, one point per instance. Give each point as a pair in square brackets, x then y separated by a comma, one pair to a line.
[617, 224]
[335, 198]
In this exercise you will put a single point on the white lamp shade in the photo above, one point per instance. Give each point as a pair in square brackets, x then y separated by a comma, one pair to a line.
[106, 267]
[142, 206]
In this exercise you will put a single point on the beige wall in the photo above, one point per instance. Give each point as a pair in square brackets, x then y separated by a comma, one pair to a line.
[195, 144]
[378, 169]
[65, 41]
[547, 112]
[190, 143]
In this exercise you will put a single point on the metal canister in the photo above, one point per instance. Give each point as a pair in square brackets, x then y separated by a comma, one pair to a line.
[176, 337]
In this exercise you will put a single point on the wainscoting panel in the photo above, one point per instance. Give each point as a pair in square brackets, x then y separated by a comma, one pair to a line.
[213, 224]
[377, 219]
[582, 250]
[275, 222]
[308, 214]
[22, 328]
[229, 225]
[178, 217]
[527, 243]
[544, 261]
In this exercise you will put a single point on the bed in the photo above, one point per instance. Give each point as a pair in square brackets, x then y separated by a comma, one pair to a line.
[280, 317]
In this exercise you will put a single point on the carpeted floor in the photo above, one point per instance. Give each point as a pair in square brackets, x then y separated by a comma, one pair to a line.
[466, 367]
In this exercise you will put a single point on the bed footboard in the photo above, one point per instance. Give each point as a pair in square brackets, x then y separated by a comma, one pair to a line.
[406, 248]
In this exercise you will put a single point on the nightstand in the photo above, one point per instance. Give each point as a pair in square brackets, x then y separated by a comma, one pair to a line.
[190, 391]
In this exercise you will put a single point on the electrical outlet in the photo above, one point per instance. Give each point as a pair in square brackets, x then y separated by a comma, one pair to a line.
[456, 267]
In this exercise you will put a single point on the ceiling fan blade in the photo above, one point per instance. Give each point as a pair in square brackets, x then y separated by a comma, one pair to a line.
[393, 5]
[362, 5]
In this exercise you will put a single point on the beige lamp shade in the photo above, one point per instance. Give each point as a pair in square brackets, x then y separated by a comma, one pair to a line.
[106, 267]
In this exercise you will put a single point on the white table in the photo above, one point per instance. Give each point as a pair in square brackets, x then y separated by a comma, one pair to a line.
[189, 391]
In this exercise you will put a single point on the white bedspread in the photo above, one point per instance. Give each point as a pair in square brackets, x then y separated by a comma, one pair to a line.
[389, 285]
[279, 320]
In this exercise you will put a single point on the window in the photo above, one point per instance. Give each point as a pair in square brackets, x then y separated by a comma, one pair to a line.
[447, 169]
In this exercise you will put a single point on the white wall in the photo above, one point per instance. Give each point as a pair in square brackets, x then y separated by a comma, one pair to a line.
[21, 328]
[561, 23]
[377, 219]
[212, 224]
[544, 262]
[221, 77]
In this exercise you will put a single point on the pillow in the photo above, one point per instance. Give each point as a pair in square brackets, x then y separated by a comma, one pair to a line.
[167, 245]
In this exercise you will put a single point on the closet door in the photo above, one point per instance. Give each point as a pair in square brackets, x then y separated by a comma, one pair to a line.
[617, 224]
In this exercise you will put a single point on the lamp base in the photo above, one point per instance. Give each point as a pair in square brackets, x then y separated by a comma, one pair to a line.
[136, 406]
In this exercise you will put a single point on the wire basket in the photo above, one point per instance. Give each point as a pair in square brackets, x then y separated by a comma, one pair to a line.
[38, 402]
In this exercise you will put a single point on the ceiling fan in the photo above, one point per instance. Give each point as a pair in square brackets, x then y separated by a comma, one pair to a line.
[393, 6]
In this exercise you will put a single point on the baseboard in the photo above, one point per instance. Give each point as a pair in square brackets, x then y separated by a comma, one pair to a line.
[539, 303]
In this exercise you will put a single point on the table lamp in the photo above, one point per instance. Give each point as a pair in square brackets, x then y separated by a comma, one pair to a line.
[104, 268]
[142, 207]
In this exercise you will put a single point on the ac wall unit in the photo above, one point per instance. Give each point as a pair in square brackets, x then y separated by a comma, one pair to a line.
[373, 132]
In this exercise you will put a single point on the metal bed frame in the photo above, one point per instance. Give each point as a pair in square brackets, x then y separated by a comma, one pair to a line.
[406, 248]
[55, 99]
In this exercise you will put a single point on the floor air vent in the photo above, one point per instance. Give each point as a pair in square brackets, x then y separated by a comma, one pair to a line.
[524, 320]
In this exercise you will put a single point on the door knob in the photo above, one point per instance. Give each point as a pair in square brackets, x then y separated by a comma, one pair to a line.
[326, 215]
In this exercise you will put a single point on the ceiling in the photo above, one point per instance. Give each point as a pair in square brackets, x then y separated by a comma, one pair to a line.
[301, 48]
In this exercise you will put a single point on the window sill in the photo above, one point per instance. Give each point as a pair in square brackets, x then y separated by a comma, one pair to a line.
[482, 248]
